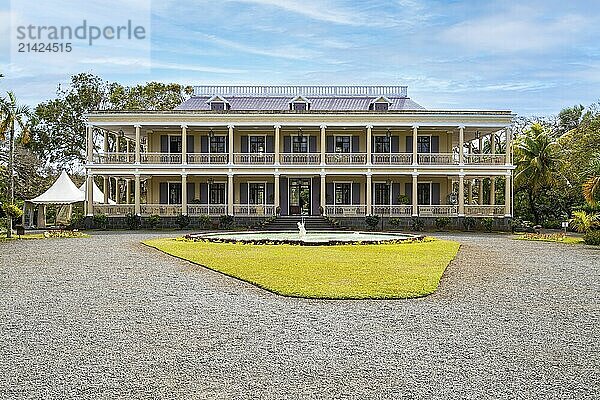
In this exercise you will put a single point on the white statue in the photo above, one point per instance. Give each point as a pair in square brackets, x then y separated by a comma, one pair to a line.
[302, 230]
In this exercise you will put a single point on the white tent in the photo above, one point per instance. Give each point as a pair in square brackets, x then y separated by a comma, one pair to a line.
[98, 194]
[63, 191]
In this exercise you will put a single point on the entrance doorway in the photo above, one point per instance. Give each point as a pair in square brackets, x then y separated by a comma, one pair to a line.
[300, 203]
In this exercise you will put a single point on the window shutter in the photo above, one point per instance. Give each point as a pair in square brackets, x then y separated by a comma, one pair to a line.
[164, 193]
[164, 143]
[395, 192]
[395, 144]
[269, 143]
[204, 144]
[287, 144]
[316, 194]
[355, 144]
[190, 143]
[408, 191]
[409, 142]
[330, 144]
[312, 144]
[329, 195]
[435, 193]
[355, 193]
[283, 192]
[435, 144]
[244, 140]
[204, 193]
[191, 192]
[270, 193]
[243, 193]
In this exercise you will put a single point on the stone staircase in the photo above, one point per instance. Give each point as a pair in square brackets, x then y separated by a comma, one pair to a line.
[290, 223]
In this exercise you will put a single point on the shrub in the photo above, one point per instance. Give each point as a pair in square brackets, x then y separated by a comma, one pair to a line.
[182, 221]
[583, 221]
[77, 219]
[592, 237]
[100, 221]
[225, 221]
[487, 223]
[395, 222]
[12, 211]
[133, 221]
[153, 221]
[372, 221]
[552, 224]
[204, 222]
[518, 225]
[403, 199]
[416, 224]
[468, 223]
[442, 222]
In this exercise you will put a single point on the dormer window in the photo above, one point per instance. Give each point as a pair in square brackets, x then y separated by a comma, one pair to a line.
[218, 103]
[380, 104]
[300, 103]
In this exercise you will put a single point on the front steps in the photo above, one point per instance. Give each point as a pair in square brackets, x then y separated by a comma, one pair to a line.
[290, 223]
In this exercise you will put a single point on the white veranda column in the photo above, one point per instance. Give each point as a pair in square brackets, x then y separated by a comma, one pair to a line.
[323, 143]
[369, 145]
[90, 144]
[89, 194]
[184, 144]
[369, 193]
[277, 128]
[323, 199]
[117, 191]
[276, 190]
[184, 194]
[470, 191]
[137, 143]
[507, 195]
[480, 194]
[230, 144]
[105, 142]
[137, 195]
[415, 206]
[461, 195]
[230, 194]
[508, 145]
[106, 188]
[492, 190]
[461, 144]
[415, 160]
[117, 144]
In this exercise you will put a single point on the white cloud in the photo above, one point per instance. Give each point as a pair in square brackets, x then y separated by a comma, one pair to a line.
[515, 30]
[143, 63]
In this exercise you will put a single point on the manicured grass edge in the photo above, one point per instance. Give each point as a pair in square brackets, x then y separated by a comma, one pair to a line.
[571, 240]
[278, 293]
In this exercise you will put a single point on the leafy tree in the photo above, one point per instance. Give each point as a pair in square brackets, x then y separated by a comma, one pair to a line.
[59, 124]
[591, 186]
[13, 116]
[537, 158]
[570, 118]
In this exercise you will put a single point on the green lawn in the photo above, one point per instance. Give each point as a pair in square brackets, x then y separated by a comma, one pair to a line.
[384, 271]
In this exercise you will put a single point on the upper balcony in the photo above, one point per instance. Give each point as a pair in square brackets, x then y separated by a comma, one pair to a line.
[304, 146]
[302, 159]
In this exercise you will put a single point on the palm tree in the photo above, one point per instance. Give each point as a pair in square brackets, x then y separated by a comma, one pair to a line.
[11, 115]
[537, 158]
[591, 186]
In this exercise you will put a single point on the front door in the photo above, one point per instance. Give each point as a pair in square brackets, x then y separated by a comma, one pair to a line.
[300, 203]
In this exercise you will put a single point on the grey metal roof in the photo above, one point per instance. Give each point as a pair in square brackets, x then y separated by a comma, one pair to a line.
[282, 103]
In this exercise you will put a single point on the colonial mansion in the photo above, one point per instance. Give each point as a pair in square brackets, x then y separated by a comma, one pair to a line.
[338, 151]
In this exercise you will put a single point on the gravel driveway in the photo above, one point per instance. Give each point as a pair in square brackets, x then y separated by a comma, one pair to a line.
[105, 317]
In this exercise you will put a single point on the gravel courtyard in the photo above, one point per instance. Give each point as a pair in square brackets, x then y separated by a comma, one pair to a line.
[106, 317]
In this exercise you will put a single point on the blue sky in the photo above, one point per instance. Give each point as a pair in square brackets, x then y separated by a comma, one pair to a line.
[532, 57]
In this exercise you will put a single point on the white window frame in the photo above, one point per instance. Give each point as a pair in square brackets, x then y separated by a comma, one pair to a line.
[351, 192]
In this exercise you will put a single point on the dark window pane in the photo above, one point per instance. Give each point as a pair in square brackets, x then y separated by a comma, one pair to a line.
[256, 193]
[342, 144]
[217, 106]
[342, 193]
[217, 144]
[381, 106]
[424, 144]
[299, 106]
[382, 144]
[217, 193]
[299, 144]
[257, 144]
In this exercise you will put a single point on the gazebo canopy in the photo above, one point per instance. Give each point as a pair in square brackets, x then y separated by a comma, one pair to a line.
[63, 191]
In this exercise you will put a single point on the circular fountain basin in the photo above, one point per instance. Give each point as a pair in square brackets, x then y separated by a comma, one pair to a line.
[311, 238]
